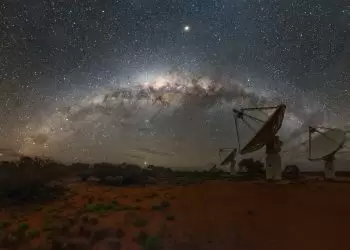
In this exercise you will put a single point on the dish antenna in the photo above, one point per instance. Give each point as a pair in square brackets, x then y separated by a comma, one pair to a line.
[265, 136]
[324, 146]
[230, 159]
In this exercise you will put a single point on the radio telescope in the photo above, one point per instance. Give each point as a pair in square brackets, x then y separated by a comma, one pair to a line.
[230, 159]
[265, 136]
[324, 146]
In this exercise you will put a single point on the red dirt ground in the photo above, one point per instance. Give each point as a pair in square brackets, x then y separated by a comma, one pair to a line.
[210, 215]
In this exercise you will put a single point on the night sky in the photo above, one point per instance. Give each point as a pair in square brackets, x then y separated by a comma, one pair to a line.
[154, 81]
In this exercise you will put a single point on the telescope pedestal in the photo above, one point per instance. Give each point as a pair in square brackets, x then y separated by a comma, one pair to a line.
[232, 167]
[273, 167]
[273, 162]
[329, 170]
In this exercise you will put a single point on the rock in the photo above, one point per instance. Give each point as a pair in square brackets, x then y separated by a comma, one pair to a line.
[108, 244]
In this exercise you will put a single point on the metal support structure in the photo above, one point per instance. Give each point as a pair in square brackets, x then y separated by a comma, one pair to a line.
[329, 170]
[261, 108]
[265, 136]
[239, 114]
[231, 159]
[273, 161]
[328, 161]
[237, 135]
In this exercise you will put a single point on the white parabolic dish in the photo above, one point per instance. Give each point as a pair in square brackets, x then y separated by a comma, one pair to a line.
[327, 143]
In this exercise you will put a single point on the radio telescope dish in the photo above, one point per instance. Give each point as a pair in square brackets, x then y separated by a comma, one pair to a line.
[230, 159]
[267, 131]
[265, 136]
[324, 146]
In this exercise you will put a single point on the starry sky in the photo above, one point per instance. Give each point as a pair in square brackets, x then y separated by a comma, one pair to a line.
[155, 81]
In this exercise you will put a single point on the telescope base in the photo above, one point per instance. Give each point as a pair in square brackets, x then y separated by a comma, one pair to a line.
[273, 167]
[232, 167]
[329, 170]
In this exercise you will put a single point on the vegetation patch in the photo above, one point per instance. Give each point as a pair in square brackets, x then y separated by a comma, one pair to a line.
[23, 227]
[140, 223]
[33, 234]
[153, 195]
[4, 225]
[103, 207]
[120, 233]
[152, 243]
[163, 205]
[141, 238]
[99, 207]
[170, 217]
[115, 203]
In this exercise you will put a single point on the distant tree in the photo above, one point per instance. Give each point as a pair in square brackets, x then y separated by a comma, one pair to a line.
[155, 171]
[29, 178]
[252, 167]
[78, 166]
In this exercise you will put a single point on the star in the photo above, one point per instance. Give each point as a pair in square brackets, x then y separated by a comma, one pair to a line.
[172, 71]
[187, 28]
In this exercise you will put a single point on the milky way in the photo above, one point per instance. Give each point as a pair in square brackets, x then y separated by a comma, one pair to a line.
[155, 81]
[174, 118]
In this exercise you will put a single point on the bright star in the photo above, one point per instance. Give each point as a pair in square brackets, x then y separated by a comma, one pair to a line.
[187, 28]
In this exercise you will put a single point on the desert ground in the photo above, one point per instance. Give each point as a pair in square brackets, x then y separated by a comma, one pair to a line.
[210, 214]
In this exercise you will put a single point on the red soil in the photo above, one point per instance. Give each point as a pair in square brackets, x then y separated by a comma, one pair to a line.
[212, 215]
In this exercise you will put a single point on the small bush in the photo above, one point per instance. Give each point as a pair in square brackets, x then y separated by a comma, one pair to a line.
[93, 221]
[48, 227]
[152, 243]
[140, 223]
[120, 233]
[99, 207]
[4, 224]
[153, 195]
[23, 227]
[141, 238]
[115, 203]
[163, 205]
[170, 217]
[33, 234]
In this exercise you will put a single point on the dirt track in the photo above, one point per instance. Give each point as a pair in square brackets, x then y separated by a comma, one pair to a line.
[211, 215]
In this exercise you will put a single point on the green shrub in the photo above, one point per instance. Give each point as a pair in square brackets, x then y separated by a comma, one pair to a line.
[141, 238]
[99, 207]
[163, 205]
[23, 227]
[115, 203]
[140, 223]
[170, 217]
[33, 234]
[4, 224]
[152, 243]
